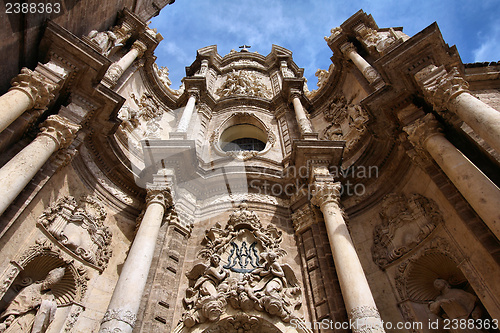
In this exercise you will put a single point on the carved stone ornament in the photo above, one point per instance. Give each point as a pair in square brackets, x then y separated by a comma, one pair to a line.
[325, 193]
[242, 322]
[333, 34]
[60, 129]
[243, 83]
[440, 86]
[125, 316]
[406, 222]
[140, 47]
[114, 72]
[104, 41]
[302, 219]
[149, 108]
[371, 38]
[163, 73]
[241, 269]
[422, 129]
[347, 122]
[39, 89]
[79, 226]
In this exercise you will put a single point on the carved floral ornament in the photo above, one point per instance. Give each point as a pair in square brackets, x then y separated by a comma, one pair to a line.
[243, 83]
[406, 222]
[79, 227]
[39, 89]
[241, 270]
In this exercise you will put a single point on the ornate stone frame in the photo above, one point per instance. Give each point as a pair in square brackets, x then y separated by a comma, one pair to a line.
[239, 118]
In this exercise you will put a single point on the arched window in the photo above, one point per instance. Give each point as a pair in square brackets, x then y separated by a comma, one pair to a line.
[243, 137]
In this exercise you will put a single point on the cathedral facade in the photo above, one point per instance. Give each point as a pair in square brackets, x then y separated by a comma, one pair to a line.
[245, 201]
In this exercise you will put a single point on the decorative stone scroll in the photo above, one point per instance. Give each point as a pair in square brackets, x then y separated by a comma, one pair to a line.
[79, 227]
[241, 269]
[347, 122]
[243, 83]
[406, 222]
[333, 34]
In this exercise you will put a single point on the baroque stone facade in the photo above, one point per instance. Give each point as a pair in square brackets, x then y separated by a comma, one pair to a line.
[243, 202]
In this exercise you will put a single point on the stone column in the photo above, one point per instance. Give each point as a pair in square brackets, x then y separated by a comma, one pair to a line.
[300, 114]
[448, 90]
[116, 70]
[56, 132]
[187, 113]
[29, 90]
[370, 73]
[476, 188]
[124, 305]
[356, 292]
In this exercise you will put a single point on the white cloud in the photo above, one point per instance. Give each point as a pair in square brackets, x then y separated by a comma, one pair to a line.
[489, 49]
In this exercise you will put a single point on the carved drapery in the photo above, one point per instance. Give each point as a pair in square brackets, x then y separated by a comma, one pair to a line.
[79, 226]
[241, 269]
[406, 222]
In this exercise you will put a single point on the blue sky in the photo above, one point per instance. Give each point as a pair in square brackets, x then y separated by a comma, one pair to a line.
[300, 25]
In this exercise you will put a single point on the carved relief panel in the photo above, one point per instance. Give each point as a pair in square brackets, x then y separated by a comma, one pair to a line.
[78, 226]
[347, 122]
[241, 270]
[406, 223]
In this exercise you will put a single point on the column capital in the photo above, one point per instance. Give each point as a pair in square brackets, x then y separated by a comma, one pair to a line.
[160, 194]
[422, 129]
[294, 93]
[347, 48]
[140, 46]
[60, 129]
[326, 192]
[440, 86]
[195, 92]
[38, 88]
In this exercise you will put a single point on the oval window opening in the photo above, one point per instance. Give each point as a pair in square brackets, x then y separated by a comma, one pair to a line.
[244, 137]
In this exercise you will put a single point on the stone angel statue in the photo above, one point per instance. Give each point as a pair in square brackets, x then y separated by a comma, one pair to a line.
[205, 295]
[33, 309]
[278, 289]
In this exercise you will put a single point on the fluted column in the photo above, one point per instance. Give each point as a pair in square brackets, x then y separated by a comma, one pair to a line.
[187, 113]
[124, 305]
[29, 90]
[356, 292]
[476, 188]
[300, 114]
[116, 70]
[56, 132]
[370, 73]
[448, 90]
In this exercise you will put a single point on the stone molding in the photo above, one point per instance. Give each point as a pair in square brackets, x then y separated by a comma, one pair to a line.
[37, 87]
[126, 316]
[422, 129]
[441, 86]
[60, 129]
